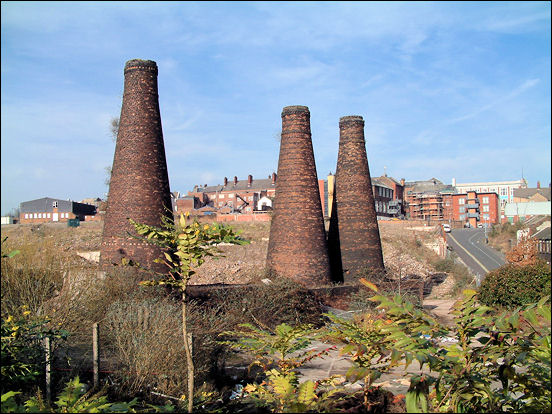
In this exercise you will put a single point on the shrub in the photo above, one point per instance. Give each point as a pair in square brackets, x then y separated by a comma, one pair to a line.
[281, 301]
[22, 350]
[444, 265]
[513, 285]
[498, 363]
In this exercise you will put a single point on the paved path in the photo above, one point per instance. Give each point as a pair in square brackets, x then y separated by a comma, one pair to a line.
[396, 380]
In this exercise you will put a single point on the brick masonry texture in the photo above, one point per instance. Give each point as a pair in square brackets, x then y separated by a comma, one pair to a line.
[139, 186]
[353, 239]
[297, 246]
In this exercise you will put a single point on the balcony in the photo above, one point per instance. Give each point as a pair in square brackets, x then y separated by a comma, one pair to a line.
[473, 200]
[473, 215]
[472, 205]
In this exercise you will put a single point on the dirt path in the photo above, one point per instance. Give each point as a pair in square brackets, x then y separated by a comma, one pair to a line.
[441, 308]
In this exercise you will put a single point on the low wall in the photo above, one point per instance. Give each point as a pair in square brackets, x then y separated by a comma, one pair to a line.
[243, 217]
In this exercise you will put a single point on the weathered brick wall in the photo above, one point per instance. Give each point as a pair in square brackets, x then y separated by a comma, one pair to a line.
[297, 247]
[139, 186]
[353, 238]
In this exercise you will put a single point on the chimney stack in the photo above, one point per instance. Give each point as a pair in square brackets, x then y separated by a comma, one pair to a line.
[402, 181]
[297, 247]
[235, 180]
[225, 181]
[249, 180]
[273, 178]
[538, 184]
[139, 186]
[353, 238]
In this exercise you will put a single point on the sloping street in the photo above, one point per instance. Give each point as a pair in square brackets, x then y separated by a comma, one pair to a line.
[470, 246]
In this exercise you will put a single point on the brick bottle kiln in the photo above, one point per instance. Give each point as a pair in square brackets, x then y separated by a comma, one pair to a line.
[297, 246]
[139, 186]
[353, 238]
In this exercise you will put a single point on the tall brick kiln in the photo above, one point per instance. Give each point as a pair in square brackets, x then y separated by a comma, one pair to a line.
[353, 239]
[297, 246]
[139, 186]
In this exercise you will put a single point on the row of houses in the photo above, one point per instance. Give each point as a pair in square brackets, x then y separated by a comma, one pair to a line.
[428, 200]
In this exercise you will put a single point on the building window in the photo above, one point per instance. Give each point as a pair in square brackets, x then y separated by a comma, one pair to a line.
[462, 217]
[461, 201]
[230, 195]
[485, 200]
[486, 217]
[504, 191]
[35, 215]
[461, 209]
[486, 209]
[47, 215]
[26, 215]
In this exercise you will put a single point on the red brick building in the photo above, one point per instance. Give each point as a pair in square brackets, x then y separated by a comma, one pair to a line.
[237, 196]
[45, 210]
[471, 207]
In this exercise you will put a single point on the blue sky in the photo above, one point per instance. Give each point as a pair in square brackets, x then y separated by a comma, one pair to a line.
[446, 89]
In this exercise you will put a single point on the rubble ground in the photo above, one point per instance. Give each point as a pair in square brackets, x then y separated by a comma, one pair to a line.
[404, 246]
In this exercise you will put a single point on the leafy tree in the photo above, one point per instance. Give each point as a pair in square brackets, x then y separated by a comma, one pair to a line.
[185, 245]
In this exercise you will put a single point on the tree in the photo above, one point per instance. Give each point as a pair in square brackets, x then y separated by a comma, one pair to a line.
[525, 253]
[185, 246]
[114, 128]
[114, 131]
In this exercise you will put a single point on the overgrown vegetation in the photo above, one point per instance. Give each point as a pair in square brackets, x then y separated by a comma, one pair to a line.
[513, 285]
[500, 362]
[497, 363]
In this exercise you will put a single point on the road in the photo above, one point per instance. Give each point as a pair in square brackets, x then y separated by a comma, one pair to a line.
[470, 246]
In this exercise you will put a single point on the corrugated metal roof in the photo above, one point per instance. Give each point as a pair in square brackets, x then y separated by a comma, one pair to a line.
[531, 208]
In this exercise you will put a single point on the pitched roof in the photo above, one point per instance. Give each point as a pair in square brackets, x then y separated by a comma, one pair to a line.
[528, 192]
[241, 185]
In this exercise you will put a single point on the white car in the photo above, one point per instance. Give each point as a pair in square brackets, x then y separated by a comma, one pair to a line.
[446, 228]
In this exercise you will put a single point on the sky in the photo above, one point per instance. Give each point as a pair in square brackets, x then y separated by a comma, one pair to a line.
[447, 89]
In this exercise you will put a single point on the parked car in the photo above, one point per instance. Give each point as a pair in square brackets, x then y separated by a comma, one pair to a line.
[446, 228]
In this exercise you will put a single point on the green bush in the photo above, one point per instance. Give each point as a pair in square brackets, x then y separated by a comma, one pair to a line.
[513, 285]
[22, 350]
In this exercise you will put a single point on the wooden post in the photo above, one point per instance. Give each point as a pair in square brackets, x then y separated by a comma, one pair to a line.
[48, 357]
[96, 353]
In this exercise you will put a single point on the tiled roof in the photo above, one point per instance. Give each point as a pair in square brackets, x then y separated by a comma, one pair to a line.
[528, 192]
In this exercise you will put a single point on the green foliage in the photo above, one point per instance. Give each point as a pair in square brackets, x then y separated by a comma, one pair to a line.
[185, 246]
[22, 351]
[365, 343]
[75, 399]
[280, 354]
[9, 254]
[512, 350]
[513, 285]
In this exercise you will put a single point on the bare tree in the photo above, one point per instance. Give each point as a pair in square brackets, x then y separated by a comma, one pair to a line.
[114, 128]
